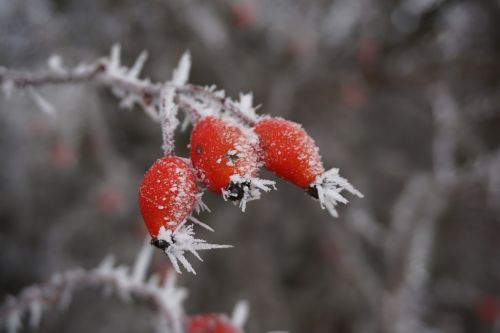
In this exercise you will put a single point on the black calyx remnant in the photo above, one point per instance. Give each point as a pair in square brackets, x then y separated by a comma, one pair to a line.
[160, 243]
[312, 190]
[237, 190]
[199, 149]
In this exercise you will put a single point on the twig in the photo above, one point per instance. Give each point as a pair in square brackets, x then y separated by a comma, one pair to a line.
[125, 83]
[166, 298]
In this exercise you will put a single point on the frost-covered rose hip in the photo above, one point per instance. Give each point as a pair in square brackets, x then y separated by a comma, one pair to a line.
[210, 323]
[167, 197]
[167, 194]
[226, 159]
[289, 152]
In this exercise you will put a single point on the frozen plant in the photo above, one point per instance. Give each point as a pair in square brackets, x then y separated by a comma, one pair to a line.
[229, 144]
[129, 284]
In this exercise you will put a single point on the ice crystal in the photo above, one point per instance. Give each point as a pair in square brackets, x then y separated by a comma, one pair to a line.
[329, 186]
[182, 240]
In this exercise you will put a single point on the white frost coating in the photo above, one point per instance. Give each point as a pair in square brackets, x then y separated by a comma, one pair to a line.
[114, 59]
[181, 74]
[200, 206]
[134, 72]
[182, 240]
[329, 185]
[252, 192]
[240, 314]
[142, 262]
[55, 63]
[44, 105]
[13, 323]
[7, 88]
[245, 105]
[168, 118]
[36, 309]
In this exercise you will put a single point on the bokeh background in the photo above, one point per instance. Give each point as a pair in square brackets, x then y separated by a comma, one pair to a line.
[402, 96]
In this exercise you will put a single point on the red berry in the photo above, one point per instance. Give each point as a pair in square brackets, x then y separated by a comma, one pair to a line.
[167, 195]
[210, 323]
[288, 151]
[220, 150]
[243, 14]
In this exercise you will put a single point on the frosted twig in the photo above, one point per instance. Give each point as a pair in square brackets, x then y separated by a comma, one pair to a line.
[364, 276]
[166, 298]
[126, 84]
[168, 119]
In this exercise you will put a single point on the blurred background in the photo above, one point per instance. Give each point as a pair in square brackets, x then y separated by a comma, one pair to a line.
[402, 96]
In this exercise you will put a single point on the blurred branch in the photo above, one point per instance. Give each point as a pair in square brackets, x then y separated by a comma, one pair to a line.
[166, 298]
[365, 277]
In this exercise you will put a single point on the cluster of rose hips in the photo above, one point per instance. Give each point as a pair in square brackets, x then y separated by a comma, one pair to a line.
[225, 157]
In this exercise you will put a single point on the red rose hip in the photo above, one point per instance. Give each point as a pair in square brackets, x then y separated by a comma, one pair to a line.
[226, 159]
[167, 194]
[289, 152]
[210, 323]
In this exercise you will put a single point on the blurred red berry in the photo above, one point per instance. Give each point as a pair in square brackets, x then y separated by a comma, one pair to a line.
[242, 14]
[210, 323]
[368, 52]
[62, 156]
[109, 200]
[488, 309]
[167, 194]
[354, 96]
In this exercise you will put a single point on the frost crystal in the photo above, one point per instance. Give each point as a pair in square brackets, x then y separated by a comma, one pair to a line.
[55, 63]
[240, 314]
[329, 186]
[182, 240]
[251, 187]
[245, 106]
[41, 102]
[200, 206]
[181, 74]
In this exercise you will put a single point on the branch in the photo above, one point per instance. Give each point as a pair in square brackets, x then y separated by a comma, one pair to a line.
[126, 85]
[165, 298]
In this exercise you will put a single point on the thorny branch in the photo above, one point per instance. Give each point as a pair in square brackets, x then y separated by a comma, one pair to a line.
[127, 85]
[165, 297]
